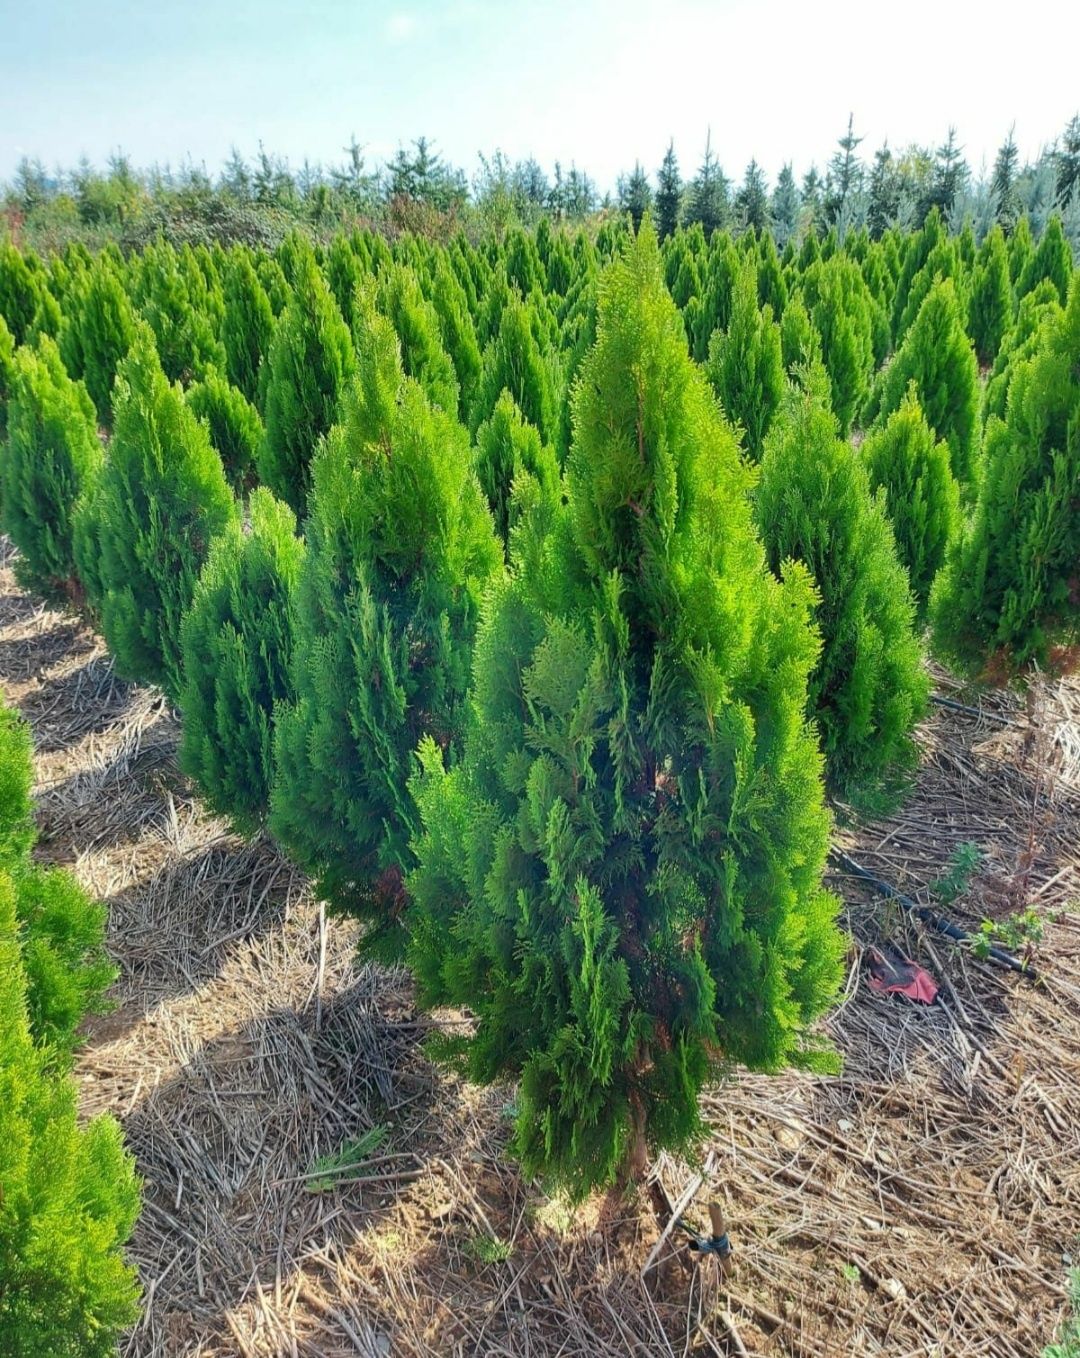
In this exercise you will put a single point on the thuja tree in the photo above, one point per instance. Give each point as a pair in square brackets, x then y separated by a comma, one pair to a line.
[237, 646]
[311, 360]
[96, 333]
[458, 332]
[623, 874]
[7, 374]
[417, 324]
[745, 365]
[913, 469]
[937, 357]
[1020, 342]
[800, 343]
[247, 327]
[513, 362]
[839, 304]
[509, 451]
[1051, 260]
[233, 423]
[174, 303]
[400, 545]
[161, 499]
[990, 302]
[814, 505]
[1009, 595]
[20, 289]
[52, 454]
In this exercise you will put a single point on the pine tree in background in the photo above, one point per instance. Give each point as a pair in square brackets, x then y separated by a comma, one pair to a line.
[624, 873]
[310, 363]
[96, 333]
[844, 179]
[708, 198]
[248, 327]
[752, 200]
[839, 304]
[814, 505]
[509, 451]
[400, 547]
[233, 424]
[949, 180]
[1010, 593]
[52, 453]
[1051, 260]
[937, 356]
[745, 365]
[159, 503]
[635, 194]
[1068, 163]
[922, 499]
[990, 305]
[417, 324]
[513, 362]
[784, 207]
[1003, 185]
[237, 643]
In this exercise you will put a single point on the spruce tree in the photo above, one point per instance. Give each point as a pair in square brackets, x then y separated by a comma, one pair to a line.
[237, 645]
[509, 452]
[937, 356]
[160, 501]
[1003, 185]
[52, 453]
[784, 207]
[310, 362]
[247, 328]
[990, 304]
[400, 546]
[622, 877]
[814, 505]
[233, 424]
[708, 198]
[1009, 595]
[752, 200]
[96, 333]
[668, 194]
[745, 365]
[913, 469]
[635, 195]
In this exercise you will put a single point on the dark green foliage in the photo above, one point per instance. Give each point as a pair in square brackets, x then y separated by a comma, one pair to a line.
[233, 423]
[922, 499]
[1010, 593]
[417, 324]
[624, 873]
[814, 505]
[237, 645]
[937, 356]
[840, 307]
[1051, 260]
[509, 450]
[513, 362]
[52, 453]
[990, 305]
[400, 545]
[160, 501]
[310, 362]
[745, 365]
[248, 327]
[1003, 190]
[96, 333]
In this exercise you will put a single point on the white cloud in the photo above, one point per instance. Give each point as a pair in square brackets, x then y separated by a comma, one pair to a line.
[400, 27]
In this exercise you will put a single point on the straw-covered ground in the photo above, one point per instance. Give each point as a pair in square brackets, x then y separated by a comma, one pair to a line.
[926, 1202]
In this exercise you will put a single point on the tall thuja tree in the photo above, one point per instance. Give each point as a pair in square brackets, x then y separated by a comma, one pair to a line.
[814, 505]
[942, 262]
[7, 375]
[1019, 343]
[912, 467]
[247, 327]
[938, 358]
[771, 288]
[840, 307]
[991, 301]
[451, 305]
[52, 455]
[800, 342]
[173, 300]
[1052, 259]
[623, 874]
[346, 269]
[417, 324]
[1021, 248]
[235, 428]
[916, 251]
[710, 309]
[509, 452]
[745, 365]
[159, 502]
[400, 548]
[20, 292]
[1010, 593]
[311, 360]
[237, 640]
[513, 362]
[96, 332]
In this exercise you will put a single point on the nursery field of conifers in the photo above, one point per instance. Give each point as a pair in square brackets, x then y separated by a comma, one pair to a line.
[483, 695]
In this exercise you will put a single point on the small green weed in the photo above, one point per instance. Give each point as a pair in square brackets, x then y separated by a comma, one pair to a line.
[346, 1162]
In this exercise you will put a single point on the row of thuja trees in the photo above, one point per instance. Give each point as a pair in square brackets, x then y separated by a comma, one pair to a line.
[537, 655]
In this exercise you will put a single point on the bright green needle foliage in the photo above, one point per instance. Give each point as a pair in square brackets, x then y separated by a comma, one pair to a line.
[174, 299]
[7, 374]
[509, 452]
[1020, 343]
[400, 547]
[814, 505]
[70, 1196]
[96, 332]
[247, 328]
[922, 498]
[800, 343]
[52, 454]
[17, 832]
[20, 292]
[1010, 593]
[1052, 260]
[311, 361]
[990, 305]
[417, 326]
[513, 362]
[233, 424]
[937, 357]
[841, 308]
[237, 640]
[622, 879]
[458, 332]
[745, 365]
[161, 500]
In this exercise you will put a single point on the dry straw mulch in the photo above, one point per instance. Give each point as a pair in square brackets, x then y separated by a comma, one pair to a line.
[923, 1203]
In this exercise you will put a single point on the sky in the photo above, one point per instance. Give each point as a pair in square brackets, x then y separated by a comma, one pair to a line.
[601, 83]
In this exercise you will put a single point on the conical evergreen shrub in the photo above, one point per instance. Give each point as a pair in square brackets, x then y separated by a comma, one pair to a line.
[310, 363]
[247, 328]
[7, 374]
[1051, 260]
[814, 505]
[745, 365]
[20, 290]
[233, 424]
[922, 499]
[458, 332]
[417, 326]
[159, 503]
[800, 343]
[840, 307]
[400, 545]
[52, 453]
[96, 333]
[174, 301]
[990, 305]
[623, 875]
[1010, 593]
[509, 450]
[513, 362]
[237, 644]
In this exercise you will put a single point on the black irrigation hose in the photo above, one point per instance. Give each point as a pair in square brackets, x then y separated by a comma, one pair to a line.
[931, 917]
[954, 706]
